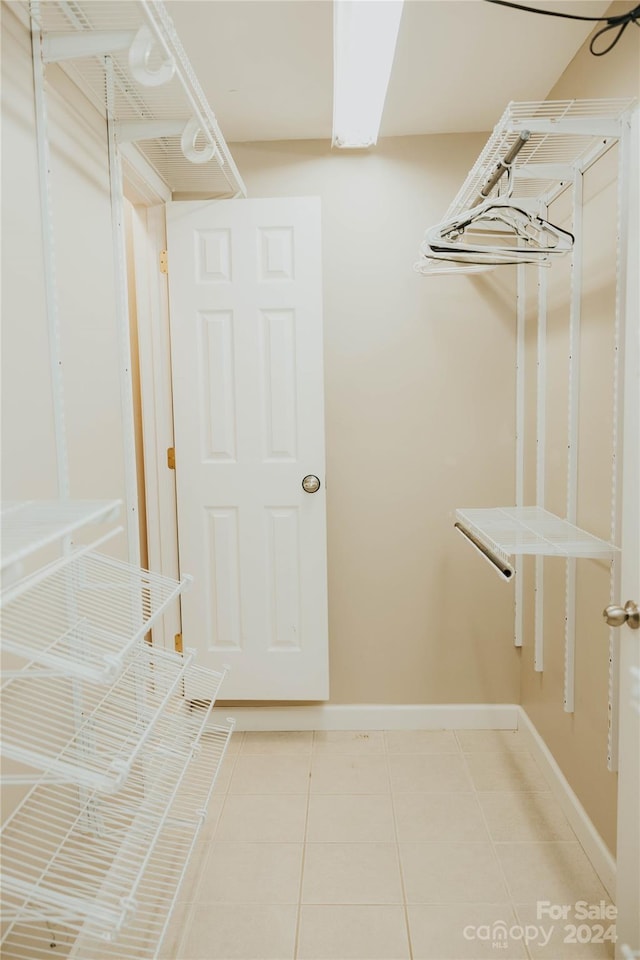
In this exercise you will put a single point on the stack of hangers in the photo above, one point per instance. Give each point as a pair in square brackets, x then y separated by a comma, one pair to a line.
[493, 231]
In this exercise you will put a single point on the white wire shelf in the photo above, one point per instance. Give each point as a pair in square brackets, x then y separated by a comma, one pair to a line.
[565, 135]
[159, 887]
[552, 141]
[27, 526]
[508, 532]
[92, 863]
[80, 732]
[82, 616]
[139, 38]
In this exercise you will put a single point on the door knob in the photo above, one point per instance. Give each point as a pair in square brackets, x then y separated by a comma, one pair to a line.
[629, 614]
[311, 484]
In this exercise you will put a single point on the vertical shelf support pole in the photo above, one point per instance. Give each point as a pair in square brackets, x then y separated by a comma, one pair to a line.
[520, 362]
[541, 431]
[48, 255]
[572, 438]
[122, 320]
[622, 327]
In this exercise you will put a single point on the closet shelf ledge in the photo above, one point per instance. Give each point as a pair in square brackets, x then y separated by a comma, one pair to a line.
[509, 532]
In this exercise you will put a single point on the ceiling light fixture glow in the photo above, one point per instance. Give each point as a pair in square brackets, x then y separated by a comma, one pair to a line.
[364, 43]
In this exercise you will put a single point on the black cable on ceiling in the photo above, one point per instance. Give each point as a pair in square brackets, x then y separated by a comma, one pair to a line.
[621, 22]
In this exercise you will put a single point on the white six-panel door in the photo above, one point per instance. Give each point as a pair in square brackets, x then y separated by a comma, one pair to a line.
[246, 345]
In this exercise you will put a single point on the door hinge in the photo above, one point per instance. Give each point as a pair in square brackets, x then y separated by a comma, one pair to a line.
[164, 261]
[171, 458]
[177, 643]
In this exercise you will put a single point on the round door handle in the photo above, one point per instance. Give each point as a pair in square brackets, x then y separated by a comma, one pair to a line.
[629, 614]
[311, 484]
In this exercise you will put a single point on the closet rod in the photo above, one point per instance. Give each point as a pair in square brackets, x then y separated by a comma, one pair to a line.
[503, 167]
[503, 569]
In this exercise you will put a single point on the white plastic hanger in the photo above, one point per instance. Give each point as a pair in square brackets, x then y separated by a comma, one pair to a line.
[527, 239]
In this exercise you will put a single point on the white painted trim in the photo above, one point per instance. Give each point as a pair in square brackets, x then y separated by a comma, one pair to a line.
[123, 327]
[143, 186]
[573, 425]
[594, 846]
[49, 259]
[626, 231]
[375, 716]
[628, 922]
[541, 436]
[521, 316]
[149, 239]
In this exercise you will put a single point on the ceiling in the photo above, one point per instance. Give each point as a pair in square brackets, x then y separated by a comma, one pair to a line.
[266, 66]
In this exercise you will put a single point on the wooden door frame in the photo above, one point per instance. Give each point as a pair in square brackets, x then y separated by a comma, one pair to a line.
[148, 194]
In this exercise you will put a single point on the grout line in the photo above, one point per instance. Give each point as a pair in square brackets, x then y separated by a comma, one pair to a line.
[387, 754]
[386, 903]
[296, 942]
[186, 925]
[405, 905]
[497, 858]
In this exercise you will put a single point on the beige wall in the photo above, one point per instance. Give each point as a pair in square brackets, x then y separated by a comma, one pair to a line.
[419, 420]
[84, 266]
[579, 740]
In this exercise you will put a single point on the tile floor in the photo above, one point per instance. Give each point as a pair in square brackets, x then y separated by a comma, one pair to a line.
[382, 846]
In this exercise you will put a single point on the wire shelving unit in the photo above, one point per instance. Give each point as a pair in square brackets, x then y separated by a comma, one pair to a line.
[536, 152]
[111, 755]
[99, 870]
[113, 741]
[159, 884]
[84, 614]
[158, 102]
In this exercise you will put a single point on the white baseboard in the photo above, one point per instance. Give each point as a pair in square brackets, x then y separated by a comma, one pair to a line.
[375, 716]
[592, 843]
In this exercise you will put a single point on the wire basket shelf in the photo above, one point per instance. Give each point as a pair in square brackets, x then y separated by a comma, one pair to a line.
[81, 732]
[138, 97]
[92, 863]
[29, 525]
[82, 616]
[525, 531]
[159, 887]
